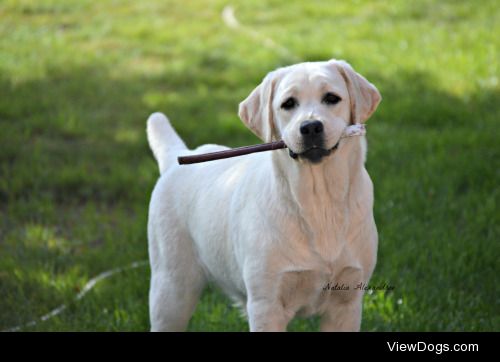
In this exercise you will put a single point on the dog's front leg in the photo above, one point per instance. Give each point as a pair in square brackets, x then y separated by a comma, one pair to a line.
[265, 311]
[266, 316]
[344, 309]
[343, 315]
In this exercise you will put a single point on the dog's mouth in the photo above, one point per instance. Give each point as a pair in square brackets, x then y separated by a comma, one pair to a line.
[313, 154]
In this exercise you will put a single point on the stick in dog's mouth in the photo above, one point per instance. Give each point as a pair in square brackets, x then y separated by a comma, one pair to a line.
[350, 131]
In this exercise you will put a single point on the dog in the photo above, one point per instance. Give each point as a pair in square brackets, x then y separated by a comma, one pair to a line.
[275, 230]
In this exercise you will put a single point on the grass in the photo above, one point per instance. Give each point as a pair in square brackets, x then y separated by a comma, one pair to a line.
[78, 80]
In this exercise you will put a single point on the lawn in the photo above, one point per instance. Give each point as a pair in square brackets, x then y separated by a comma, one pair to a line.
[79, 78]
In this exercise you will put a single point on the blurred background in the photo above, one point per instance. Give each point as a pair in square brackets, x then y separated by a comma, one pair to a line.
[79, 78]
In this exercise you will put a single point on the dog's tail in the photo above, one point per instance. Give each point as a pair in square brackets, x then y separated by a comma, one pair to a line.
[163, 140]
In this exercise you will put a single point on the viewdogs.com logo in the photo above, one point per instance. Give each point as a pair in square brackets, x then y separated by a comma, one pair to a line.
[437, 348]
[359, 286]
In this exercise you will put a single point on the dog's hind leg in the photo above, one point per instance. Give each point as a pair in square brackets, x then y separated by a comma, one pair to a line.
[177, 277]
[177, 280]
[172, 299]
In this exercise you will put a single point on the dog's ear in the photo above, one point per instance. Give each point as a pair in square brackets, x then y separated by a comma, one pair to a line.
[256, 110]
[365, 97]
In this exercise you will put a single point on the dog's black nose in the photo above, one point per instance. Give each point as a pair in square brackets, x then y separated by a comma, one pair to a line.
[311, 128]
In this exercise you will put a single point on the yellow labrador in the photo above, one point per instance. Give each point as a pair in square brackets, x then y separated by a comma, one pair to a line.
[283, 233]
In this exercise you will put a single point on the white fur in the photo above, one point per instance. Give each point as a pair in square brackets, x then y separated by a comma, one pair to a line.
[271, 231]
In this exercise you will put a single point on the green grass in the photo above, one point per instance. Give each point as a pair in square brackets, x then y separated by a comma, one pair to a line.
[79, 78]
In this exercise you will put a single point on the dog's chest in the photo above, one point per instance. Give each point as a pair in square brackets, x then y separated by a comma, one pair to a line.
[310, 292]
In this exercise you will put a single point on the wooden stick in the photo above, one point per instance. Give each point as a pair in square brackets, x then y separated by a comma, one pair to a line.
[351, 131]
[233, 152]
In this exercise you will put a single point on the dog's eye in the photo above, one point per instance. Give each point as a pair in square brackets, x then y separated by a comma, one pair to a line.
[289, 103]
[331, 99]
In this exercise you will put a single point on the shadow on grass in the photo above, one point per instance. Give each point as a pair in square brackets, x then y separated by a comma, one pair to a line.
[77, 137]
[55, 129]
[417, 100]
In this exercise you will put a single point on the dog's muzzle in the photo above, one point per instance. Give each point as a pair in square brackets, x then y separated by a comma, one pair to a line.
[313, 139]
[316, 153]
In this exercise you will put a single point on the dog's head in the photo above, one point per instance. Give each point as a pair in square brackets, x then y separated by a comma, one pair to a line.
[309, 105]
